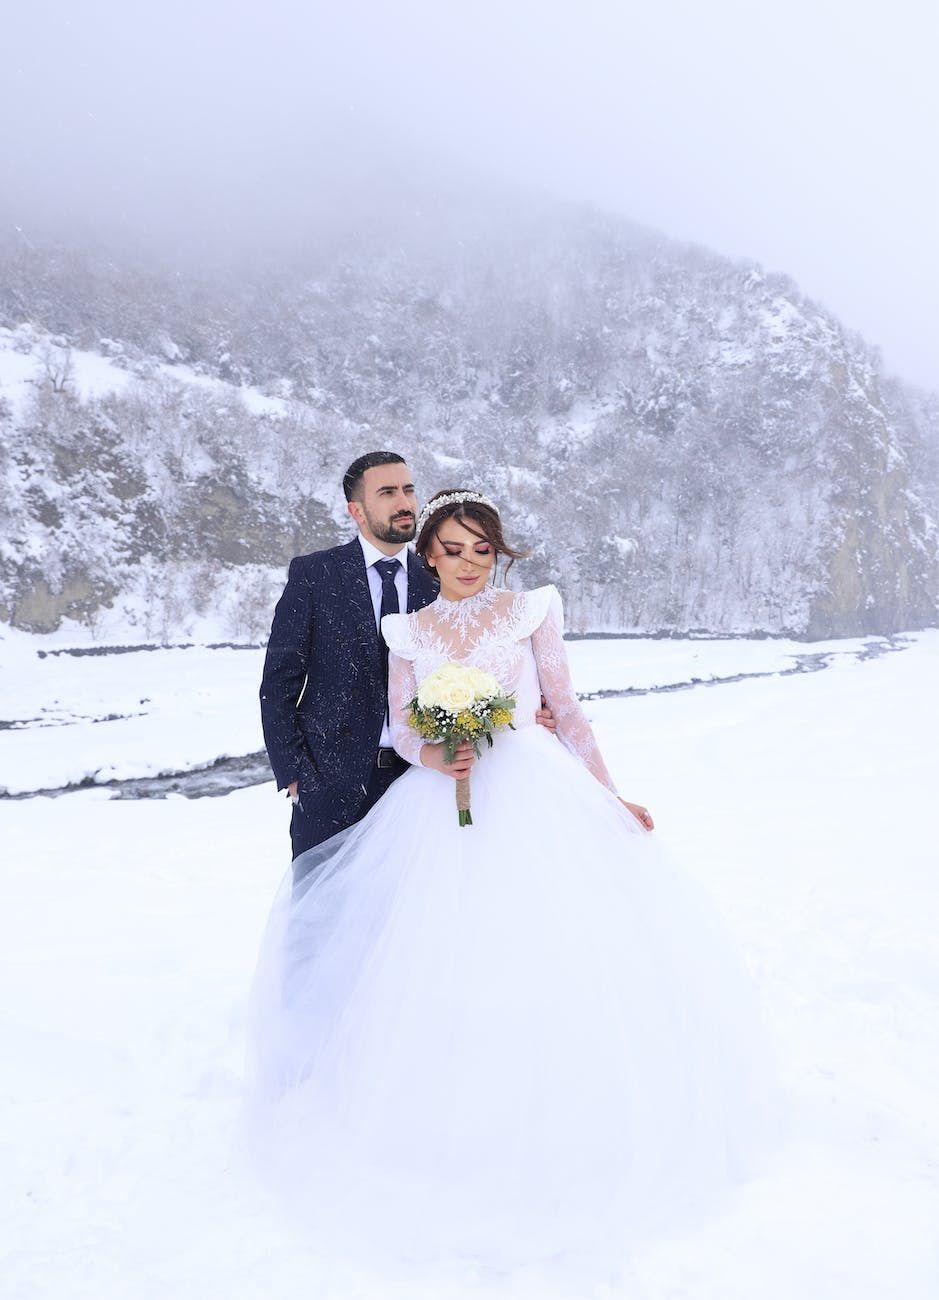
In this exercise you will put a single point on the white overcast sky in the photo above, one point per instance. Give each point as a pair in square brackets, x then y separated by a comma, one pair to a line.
[804, 134]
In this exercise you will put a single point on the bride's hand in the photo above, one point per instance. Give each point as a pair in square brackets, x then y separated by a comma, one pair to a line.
[432, 756]
[642, 815]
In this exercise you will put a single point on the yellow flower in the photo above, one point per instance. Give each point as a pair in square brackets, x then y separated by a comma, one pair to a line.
[501, 717]
[469, 722]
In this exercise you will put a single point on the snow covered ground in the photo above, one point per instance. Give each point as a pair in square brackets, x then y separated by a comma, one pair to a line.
[28, 355]
[806, 803]
[147, 712]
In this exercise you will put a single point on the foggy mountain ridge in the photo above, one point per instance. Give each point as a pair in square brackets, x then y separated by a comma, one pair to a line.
[684, 441]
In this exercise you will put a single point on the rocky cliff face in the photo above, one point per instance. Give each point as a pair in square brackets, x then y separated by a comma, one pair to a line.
[683, 441]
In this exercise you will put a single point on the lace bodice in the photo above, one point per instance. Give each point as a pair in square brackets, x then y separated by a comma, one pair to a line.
[516, 636]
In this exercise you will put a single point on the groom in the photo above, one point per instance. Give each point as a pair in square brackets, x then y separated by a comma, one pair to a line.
[324, 689]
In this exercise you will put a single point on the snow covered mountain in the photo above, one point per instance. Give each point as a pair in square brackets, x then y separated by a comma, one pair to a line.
[685, 442]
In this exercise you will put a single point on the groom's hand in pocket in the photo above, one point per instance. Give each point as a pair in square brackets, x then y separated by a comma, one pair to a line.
[432, 756]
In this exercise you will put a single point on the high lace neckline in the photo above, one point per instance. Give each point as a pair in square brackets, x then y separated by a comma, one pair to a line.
[468, 604]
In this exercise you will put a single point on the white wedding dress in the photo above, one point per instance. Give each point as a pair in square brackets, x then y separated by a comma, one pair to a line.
[508, 1041]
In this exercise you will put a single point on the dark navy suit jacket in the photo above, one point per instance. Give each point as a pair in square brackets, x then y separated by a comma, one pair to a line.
[323, 691]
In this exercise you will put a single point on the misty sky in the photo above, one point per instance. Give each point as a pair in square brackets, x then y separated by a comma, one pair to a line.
[802, 134]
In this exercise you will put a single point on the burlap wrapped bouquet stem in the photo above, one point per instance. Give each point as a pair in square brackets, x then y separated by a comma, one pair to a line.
[463, 800]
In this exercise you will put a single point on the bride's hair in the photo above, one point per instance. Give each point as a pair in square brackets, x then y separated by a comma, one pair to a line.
[478, 517]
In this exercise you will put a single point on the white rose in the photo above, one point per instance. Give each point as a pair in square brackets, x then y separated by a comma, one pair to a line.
[431, 692]
[427, 694]
[484, 684]
[456, 696]
[455, 687]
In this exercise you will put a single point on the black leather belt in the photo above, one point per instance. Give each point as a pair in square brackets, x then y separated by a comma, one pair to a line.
[388, 758]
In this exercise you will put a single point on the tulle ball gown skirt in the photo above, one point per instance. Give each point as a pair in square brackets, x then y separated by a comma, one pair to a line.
[505, 1041]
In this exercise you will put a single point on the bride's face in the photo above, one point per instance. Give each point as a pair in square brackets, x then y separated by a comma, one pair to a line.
[462, 559]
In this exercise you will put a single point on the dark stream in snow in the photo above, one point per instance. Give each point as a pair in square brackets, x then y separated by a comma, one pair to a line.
[234, 773]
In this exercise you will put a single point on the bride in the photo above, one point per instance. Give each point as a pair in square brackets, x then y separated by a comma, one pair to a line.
[515, 1040]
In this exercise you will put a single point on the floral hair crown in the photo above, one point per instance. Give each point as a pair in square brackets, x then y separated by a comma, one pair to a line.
[452, 499]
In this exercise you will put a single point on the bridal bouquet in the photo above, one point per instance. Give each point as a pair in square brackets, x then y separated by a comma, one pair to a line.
[454, 704]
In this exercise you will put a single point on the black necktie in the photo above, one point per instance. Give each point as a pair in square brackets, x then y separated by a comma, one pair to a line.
[386, 570]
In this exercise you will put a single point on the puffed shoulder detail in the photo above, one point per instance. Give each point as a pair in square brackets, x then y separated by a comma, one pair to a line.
[396, 629]
[537, 606]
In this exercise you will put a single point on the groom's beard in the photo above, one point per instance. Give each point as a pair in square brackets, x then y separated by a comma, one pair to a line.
[399, 529]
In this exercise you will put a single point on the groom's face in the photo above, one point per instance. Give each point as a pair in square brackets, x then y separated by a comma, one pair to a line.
[387, 509]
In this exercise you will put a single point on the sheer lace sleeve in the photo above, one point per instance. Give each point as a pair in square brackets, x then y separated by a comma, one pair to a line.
[402, 687]
[554, 674]
[402, 684]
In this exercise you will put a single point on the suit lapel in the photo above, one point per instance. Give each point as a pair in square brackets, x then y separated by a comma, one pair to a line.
[354, 591]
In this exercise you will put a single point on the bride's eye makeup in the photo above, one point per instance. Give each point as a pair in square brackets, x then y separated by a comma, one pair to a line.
[455, 551]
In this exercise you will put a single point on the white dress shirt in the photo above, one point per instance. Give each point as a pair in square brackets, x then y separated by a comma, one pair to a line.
[372, 554]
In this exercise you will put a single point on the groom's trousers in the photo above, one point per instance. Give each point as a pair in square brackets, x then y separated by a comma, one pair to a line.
[312, 824]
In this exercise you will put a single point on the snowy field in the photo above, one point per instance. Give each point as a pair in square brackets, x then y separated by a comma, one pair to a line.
[805, 802]
[144, 712]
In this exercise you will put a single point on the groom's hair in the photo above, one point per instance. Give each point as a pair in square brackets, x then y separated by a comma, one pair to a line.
[352, 479]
